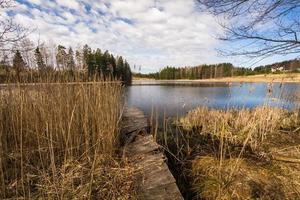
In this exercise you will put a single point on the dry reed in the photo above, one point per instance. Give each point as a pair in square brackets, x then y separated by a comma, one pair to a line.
[58, 141]
[238, 154]
[251, 126]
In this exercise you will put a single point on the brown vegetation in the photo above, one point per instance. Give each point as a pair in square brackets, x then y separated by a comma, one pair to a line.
[244, 164]
[237, 154]
[278, 78]
[269, 78]
[59, 141]
[251, 127]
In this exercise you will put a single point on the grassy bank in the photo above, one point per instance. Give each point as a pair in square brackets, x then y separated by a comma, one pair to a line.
[284, 77]
[236, 154]
[59, 141]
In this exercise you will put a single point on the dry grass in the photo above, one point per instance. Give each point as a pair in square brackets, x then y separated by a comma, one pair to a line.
[245, 126]
[248, 181]
[242, 154]
[267, 78]
[284, 77]
[58, 141]
[111, 179]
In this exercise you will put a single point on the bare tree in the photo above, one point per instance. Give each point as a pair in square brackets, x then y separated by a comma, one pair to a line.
[46, 54]
[10, 32]
[79, 57]
[26, 47]
[48, 50]
[265, 27]
[4, 62]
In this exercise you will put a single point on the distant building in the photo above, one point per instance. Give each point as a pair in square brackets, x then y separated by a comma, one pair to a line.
[278, 69]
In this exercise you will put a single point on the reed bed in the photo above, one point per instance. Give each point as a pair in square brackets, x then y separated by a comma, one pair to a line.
[215, 180]
[59, 141]
[251, 127]
[236, 153]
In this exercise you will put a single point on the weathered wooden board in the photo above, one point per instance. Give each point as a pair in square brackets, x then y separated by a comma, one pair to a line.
[153, 177]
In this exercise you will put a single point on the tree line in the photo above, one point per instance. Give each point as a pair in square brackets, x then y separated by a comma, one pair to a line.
[44, 59]
[220, 70]
[202, 72]
[287, 66]
[198, 72]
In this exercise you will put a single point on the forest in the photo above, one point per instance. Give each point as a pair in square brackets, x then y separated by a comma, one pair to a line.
[27, 59]
[198, 72]
[220, 70]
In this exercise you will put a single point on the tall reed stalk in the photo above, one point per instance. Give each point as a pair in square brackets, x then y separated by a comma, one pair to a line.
[56, 140]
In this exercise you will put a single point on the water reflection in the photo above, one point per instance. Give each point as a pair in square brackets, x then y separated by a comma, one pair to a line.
[177, 99]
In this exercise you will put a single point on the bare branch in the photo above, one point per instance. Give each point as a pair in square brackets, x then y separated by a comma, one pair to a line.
[273, 25]
[10, 32]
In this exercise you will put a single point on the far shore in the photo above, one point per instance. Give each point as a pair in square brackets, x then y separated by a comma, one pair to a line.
[267, 78]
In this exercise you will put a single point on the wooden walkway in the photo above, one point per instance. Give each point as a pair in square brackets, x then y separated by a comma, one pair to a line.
[153, 179]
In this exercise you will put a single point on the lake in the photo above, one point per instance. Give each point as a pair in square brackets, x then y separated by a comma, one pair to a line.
[176, 98]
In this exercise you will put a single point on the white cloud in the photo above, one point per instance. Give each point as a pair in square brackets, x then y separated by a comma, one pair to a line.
[38, 2]
[72, 4]
[150, 33]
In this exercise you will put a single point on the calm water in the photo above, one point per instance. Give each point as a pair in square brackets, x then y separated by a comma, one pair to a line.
[178, 99]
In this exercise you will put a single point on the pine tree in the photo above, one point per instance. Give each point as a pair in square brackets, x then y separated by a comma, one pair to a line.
[113, 66]
[87, 55]
[99, 61]
[70, 60]
[106, 63]
[103, 64]
[128, 74]
[39, 59]
[120, 68]
[79, 59]
[61, 57]
[18, 64]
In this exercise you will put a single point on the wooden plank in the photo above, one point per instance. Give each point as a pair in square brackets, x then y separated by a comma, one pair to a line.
[142, 145]
[153, 177]
[165, 192]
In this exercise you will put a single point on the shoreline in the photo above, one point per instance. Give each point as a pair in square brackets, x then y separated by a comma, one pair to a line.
[268, 78]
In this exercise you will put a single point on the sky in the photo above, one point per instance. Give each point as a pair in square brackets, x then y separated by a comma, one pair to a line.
[148, 33]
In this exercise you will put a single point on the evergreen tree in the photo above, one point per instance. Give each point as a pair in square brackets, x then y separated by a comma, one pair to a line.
[70, 60]
[99, 61]
[113, 66]
[120, 68]
[39, 59]
[96, 62]
[106, 63]
[128, 75]
[87, 57]
[18, 64]
[61, 57]
[79, 59]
